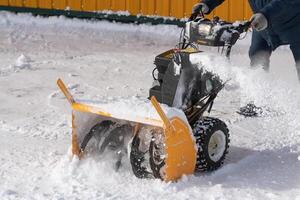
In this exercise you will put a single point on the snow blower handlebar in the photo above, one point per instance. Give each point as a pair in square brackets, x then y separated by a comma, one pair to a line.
[199, 30]
[196, 14]
[215, 29]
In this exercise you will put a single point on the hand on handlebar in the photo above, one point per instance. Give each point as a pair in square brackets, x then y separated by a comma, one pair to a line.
[200, 8]
[259, 22]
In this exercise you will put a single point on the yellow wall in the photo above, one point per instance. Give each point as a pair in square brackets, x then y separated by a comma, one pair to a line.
[59, 4]
[15, 2]
[230, 9]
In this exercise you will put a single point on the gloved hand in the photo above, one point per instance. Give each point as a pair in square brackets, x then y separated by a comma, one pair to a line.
[200, 7]
[259, 22]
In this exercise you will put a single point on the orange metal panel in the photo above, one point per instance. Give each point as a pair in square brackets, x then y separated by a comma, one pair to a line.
[118, 5]
[222, 10]
[75, 4]
[89, 5]
[230, 10]
[18, 3]
[133, 6]
[144, 7]
[31, 3]
[45, 4]
[179, 147]
[163, 7]
[236, 10]
[3, 2]
[103, 4]
[189, 6]
[159, 7]
[166, 7]
[59, 4]
[247, 11]
[148, 7]
[211, 15]
[152, 7]
[177, 8]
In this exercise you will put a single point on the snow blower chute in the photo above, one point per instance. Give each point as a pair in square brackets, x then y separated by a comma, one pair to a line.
[170, 146]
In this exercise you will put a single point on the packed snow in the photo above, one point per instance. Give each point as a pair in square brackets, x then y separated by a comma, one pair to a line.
[131, 108]
[109, 62]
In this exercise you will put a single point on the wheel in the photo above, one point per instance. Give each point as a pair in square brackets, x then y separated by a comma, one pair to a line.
[107, 136]
[137, 159]
[212, 138]
[157, 156]
[97, 131]
[147, 154]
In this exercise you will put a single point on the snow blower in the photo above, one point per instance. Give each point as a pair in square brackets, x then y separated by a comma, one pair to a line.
[171, 146]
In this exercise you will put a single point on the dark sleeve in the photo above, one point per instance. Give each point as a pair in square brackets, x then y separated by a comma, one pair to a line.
[278, 7]
[212, 4]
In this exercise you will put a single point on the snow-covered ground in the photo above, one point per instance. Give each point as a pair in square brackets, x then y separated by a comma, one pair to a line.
[109, 62]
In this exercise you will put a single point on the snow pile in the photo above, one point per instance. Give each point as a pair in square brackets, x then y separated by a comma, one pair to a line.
[115, 33]
[125, 107]
[132, 108]
[23, 62]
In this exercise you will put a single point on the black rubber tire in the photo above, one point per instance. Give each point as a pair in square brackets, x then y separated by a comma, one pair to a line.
[203, 129]
[98, 129]
[137, 158]
[155, 167]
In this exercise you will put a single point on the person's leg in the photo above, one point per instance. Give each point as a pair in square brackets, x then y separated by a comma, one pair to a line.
[296, 52]
[260, 51]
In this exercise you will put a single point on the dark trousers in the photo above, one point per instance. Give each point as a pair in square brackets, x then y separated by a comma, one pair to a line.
[260, 52]
[295, 48]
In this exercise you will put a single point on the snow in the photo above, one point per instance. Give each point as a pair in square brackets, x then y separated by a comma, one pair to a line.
[23, 62]
[127, 108]
[111, 62]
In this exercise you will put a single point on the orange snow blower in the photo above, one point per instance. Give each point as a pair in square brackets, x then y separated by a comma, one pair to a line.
[170, 144]
[178, 140]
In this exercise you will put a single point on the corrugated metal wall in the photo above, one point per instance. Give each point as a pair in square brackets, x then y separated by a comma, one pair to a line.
[229, 10]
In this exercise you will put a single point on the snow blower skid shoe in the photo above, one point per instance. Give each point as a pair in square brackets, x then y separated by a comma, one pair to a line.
[159, 148]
